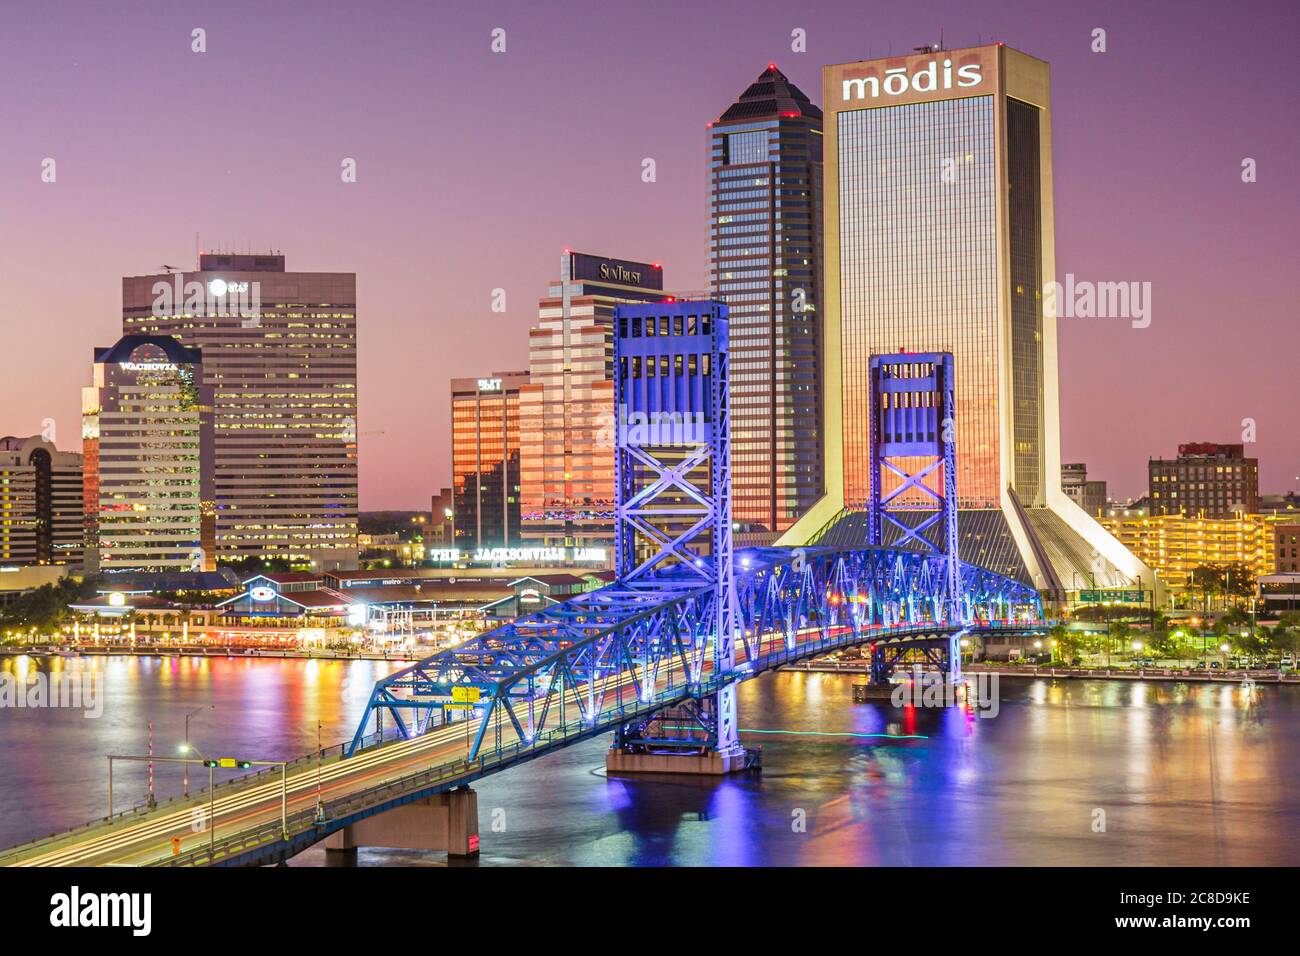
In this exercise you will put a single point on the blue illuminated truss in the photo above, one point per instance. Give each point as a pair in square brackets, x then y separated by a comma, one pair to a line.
[618, 655]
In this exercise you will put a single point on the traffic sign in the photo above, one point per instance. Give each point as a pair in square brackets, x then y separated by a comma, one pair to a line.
[465, 695]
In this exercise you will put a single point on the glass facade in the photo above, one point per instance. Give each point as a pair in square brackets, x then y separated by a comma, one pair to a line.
[918, 270]
[765, 251]
[144, 423]
[486, 460]
[1024, 228]
[283, 454]
[567, 413]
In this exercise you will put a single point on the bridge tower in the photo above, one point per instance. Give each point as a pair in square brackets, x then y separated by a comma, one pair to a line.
[914, 475]
[672, 470]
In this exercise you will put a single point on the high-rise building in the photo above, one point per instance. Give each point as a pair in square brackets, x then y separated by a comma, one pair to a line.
[40, 503]
[1088, 495]
[485, 460]
[567, 418]
[280, 351]
[939, 238]
[765, 165]
[1205, 479]
[145, 430]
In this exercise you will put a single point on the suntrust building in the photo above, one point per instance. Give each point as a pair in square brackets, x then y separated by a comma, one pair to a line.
[939, 238]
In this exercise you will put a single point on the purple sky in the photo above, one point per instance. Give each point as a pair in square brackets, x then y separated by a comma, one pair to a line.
[475, 170]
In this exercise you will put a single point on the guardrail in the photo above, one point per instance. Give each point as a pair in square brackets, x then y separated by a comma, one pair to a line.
[199, 796]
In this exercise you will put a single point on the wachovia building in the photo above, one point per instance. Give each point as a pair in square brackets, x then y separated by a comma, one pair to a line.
[146, 439]
[939, 238]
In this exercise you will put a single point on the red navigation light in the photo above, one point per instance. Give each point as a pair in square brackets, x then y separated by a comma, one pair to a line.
[771, 66]
[670, 299]
[567, 250]
[656, 265]
[795, 113]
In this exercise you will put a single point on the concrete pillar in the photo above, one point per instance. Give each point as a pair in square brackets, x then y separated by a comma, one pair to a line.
[462, 823]
[341, 848]
[445, 821]
[709, 763]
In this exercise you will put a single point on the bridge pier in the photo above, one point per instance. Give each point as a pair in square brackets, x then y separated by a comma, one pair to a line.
[446, 821]
[705, 763]
[683, 740]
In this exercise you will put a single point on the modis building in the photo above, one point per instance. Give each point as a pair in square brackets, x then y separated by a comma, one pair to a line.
[939, 237]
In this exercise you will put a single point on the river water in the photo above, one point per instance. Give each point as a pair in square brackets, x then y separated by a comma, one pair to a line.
[1078, 772]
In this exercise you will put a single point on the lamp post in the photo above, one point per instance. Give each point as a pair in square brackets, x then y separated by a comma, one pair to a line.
[185, 747]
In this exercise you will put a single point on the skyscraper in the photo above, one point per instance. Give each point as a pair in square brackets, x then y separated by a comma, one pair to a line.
[485, 460]
[567, 417]
[765, 162]
[939, 237]
[280, 351]
[40, 503]
[145, 426]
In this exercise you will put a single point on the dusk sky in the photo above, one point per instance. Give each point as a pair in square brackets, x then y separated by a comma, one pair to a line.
[476, 169]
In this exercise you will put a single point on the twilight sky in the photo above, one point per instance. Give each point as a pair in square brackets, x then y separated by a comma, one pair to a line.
[476, 169]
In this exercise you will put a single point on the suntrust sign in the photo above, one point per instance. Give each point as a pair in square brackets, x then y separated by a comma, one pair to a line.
[931, 77]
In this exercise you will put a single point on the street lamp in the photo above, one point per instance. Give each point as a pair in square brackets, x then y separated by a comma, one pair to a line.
[185, 747]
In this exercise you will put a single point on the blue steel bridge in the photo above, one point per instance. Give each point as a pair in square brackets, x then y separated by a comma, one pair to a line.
[618, 656]
[653, 659]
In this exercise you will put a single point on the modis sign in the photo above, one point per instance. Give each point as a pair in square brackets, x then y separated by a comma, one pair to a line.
[932, 77]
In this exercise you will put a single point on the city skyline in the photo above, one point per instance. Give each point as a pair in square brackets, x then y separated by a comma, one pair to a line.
[1121, 190]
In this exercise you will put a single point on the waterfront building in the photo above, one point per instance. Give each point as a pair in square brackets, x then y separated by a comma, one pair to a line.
[40, 503]
[146, 434]
[765, 231]
[280, 353]
[567, 416]
[1175, 544]
[485, 460]
[940, 238]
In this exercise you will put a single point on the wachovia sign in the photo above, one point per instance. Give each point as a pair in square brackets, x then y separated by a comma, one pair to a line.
[929, 78]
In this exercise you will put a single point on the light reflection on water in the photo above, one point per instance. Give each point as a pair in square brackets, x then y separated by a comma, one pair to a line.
[1186, 774]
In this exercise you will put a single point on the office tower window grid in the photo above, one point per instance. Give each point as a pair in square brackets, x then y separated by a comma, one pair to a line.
[1025, 234]
[284, 458]
[919, 265]
[766, 163]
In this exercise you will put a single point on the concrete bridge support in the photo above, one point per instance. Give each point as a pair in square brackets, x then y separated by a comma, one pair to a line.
[445, 821]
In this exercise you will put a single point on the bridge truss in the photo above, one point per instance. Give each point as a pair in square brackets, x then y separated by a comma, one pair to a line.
[614, 657]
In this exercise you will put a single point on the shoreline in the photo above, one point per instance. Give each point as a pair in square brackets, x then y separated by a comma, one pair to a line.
[228, 651]
[1163, 674]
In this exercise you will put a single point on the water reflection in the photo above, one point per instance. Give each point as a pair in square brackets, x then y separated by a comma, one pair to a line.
[1185, 774]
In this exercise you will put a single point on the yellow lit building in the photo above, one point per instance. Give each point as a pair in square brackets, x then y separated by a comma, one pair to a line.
[1176, 544]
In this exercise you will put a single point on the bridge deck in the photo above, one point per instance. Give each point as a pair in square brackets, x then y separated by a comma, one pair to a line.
[382, 775]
